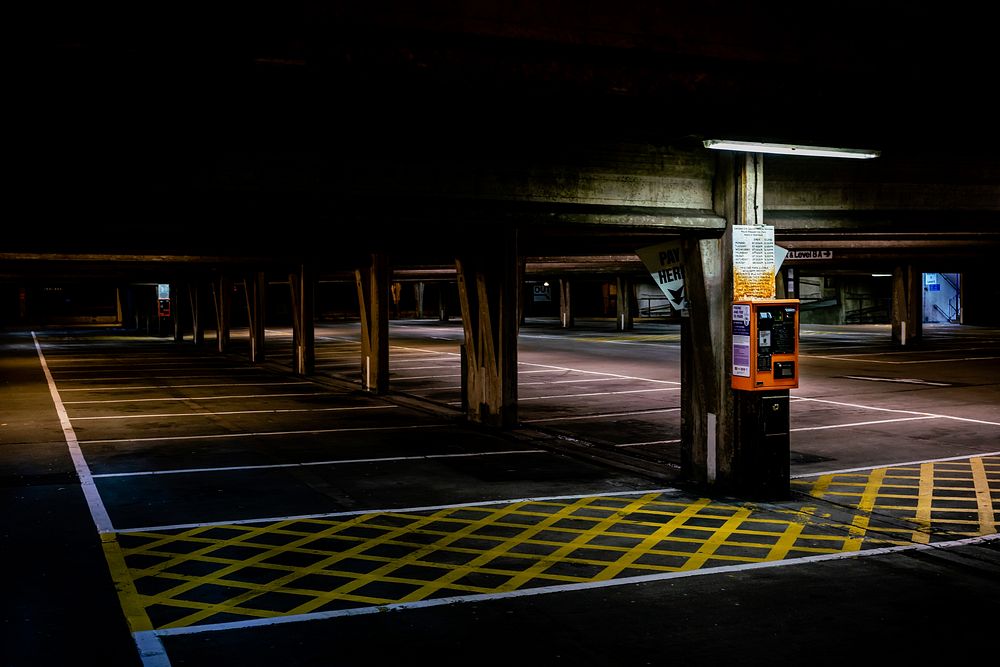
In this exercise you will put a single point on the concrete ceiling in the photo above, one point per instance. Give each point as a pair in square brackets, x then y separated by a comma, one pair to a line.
[124, 104]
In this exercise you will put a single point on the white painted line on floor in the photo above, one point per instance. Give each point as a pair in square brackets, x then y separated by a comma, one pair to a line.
[397, 510]
[383, 459]
[912, 353]
[898, 380]
[650, 442]
[578, 370]
[422, 349]
[601, 393]
[260, 434]
[599, 416]
[165, 368]
[897, 363]
[97, 510]
[869, 423]
[151, 650]
[581, 381]
[904, 412]
[188, 386]
[397, 367]
[133, 378]
[455, 375]
[425, 377]
[110, 360]
[200, 398]
[562, 588]
[235, 412]
[519, 384]
[842, 471]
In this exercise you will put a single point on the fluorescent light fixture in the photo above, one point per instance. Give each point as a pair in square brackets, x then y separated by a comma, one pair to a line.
[881, 275]
[790, 149]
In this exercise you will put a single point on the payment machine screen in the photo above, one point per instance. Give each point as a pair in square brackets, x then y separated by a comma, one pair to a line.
[776, 328]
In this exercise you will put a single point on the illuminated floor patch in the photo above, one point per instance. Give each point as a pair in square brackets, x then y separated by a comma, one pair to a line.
[216, 574]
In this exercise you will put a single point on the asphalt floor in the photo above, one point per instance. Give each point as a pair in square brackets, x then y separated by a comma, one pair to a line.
[171, 505]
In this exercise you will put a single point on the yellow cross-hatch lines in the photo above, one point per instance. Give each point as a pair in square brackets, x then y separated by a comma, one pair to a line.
[237, 572]
[923, 502]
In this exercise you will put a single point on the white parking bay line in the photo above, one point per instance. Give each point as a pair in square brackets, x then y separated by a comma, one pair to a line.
[261, 434]
[199, 398]
[236, 412]
[903, 412]
[186, 386]
[868, 423]
[600, 416]
[601, 393]
[384, 459]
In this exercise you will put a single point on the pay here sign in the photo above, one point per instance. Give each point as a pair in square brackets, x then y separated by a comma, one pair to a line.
[666, 266]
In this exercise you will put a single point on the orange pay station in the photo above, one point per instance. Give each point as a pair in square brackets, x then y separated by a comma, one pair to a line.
[765, 344]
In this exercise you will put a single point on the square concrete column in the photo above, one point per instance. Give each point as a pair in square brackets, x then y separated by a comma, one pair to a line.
[303, 324]
[489, 288]
[196, 297]
[733, 442]
[255, 288]
[565, 304]
[222, 297]
[907, 304]
[625, 312]
[176, 301]
[373, 300]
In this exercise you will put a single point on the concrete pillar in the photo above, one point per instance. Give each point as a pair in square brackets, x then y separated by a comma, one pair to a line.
[625, 313]
[443, 315]
[756, 464]
[786, 283]
[197, 300]
[565, 304]
[373, 298]
[255, 288]
[303, 316]
[706, 356]
[418, 293]
[222, 298]
[489, 287]
[176, 299]
[735, 442]
[907, 304]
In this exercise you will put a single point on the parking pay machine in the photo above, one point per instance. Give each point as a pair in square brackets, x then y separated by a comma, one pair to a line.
[765, 344]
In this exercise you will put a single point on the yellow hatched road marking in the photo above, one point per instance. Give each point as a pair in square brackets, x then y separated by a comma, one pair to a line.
[388, 557]
[787, 540]
[650, 541]
[543, 563]
[987, 518]
[128, 597]
[706, 550]
[925, 500]
[234, 603]
[207, 610]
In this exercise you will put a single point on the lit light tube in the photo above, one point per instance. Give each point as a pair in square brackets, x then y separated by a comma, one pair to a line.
[790, 149]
